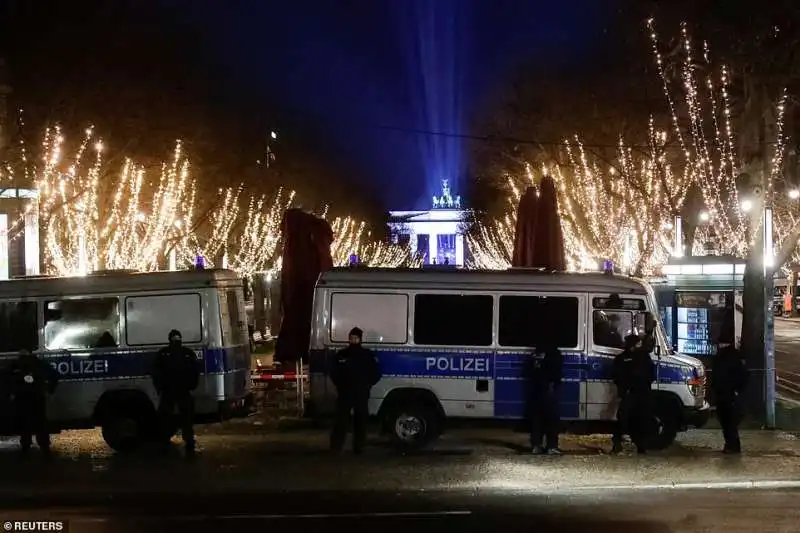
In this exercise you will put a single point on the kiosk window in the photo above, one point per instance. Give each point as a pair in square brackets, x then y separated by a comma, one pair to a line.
[453, 319]
[81, 324]
[528, 320]
[19, 327]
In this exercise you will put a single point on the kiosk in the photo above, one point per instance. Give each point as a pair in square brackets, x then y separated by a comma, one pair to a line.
[698, 299]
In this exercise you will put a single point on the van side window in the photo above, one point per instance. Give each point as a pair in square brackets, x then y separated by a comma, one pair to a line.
[611, 327]
[149, 319]
[525, 321]
[453, 319]
[382, 317]
[81, 324]
[19, 327]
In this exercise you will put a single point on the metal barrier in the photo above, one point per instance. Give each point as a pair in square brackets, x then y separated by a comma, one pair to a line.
[269, 380]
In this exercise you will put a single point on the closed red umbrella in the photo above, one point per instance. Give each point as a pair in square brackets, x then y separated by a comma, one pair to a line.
[525, 230]
[306, 253]
[548, 242]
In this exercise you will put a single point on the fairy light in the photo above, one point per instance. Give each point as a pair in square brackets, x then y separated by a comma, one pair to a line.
[600, 207]
[640, 193]
[711, 161]
[85, 230]
[258, 243]
[350, 236]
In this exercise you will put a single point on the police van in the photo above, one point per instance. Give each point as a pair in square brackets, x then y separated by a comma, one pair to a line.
[102, 331]
[453, 344]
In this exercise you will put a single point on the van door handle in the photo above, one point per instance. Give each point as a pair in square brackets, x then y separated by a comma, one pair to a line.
[482, 385]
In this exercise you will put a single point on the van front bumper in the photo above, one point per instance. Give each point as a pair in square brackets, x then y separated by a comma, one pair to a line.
[697, 417]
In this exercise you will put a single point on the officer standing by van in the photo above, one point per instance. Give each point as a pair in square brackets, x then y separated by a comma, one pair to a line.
[176, 374]
[728, 380]
[546, 373]
[633, 374]
[32, 380]
[354, 371]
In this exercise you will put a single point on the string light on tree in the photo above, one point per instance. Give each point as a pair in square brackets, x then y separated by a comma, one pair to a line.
[351, 237]
[88, 226]
[602, 200]
[601, 204]
[257, 245]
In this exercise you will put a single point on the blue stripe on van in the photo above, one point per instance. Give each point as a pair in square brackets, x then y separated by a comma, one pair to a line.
[511, 389]
[135, 363]
[506, 368]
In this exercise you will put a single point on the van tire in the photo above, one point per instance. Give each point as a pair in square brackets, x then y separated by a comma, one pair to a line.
[666, 424]
[413, 425]
[127, 424]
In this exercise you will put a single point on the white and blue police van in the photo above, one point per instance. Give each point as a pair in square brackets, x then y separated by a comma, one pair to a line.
[100, 332]
[453, 345]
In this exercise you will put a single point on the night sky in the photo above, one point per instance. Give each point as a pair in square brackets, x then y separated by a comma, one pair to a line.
[354, 87]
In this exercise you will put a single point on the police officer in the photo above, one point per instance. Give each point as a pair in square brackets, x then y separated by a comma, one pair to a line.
[31, 381]
[175, 375]
[728, 381]
[633, 374]
[354, 371]
[546, 372]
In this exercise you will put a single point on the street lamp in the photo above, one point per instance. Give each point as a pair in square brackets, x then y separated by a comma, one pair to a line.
[794, 194]
[747, 205]
[704, 216]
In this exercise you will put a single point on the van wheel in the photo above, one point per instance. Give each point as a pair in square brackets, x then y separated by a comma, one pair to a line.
[412, 426]
[126, 429]
[663, 426]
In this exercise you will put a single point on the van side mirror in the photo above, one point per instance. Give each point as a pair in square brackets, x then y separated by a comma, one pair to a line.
[658, 350]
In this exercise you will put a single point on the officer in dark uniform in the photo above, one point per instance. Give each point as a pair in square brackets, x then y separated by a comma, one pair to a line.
[354, 371]
[31, 381]
[546, 372]
[633, 374]
[176, 374]
[728, 380]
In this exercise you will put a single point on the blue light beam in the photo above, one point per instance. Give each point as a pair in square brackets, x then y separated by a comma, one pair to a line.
[436, 38]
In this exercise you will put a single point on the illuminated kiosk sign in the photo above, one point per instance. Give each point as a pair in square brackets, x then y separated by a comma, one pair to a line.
[437, 234]
[699, 299]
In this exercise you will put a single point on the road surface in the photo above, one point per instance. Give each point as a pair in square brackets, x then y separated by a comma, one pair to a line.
[787, 360]
[248, 475]
[620, 511]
